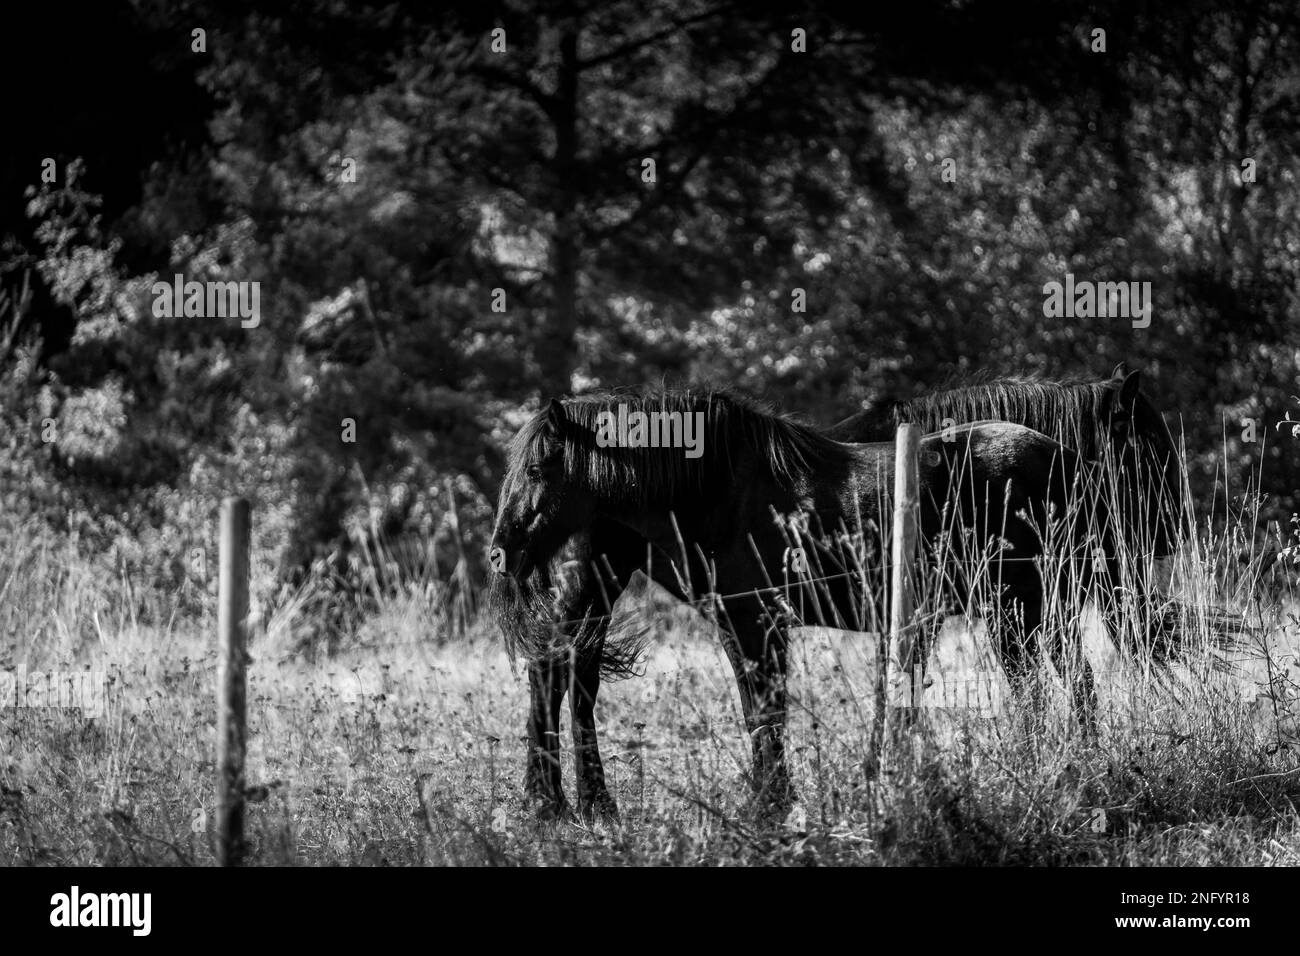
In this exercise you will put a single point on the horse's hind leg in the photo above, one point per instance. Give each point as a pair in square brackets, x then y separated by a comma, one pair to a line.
[543, 782]
[594, 799]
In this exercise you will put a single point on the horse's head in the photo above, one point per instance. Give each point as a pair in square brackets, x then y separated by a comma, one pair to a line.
[540, 506]
[1145, 450]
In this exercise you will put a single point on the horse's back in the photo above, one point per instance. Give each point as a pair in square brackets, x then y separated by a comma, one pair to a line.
[1004, 447]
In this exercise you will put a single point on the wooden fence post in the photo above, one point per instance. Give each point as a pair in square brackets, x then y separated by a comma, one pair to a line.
[904, 690]
[894, 677]
[232, 624]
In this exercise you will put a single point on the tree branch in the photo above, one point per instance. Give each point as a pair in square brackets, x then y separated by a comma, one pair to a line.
[534, 92]
[704, 138]
[633, 45]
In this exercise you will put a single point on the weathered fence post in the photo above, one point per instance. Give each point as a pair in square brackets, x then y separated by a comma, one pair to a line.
[232, 623]
[903, 686]
[894, 684]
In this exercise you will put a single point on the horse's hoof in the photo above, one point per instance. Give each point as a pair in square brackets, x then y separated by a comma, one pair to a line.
[774, 803]
[599, 809]
[553, 811]
[548, 807]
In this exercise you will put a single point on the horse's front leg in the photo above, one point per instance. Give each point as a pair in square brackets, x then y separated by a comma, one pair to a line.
[758, 654]
[543, 781]
[594, 799]
[1016, 621]
[1066, 650]
[614, 556]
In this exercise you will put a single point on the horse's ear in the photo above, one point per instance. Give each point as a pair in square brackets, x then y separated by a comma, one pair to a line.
[1121, 371]
[555, 418]
[1126, 396]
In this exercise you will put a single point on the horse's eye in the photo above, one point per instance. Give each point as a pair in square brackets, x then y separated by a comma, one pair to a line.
[534, 472]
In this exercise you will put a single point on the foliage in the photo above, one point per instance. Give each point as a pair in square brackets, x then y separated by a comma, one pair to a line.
[522, 172]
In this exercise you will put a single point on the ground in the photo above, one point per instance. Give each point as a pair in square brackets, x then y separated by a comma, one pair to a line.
[405, 750]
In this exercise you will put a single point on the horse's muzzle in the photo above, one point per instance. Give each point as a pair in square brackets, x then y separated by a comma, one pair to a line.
[513, 563]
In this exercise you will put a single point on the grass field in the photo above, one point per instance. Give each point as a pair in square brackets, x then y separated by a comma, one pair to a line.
[405, 750]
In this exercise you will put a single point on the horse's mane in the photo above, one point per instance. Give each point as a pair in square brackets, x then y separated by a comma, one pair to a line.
[787, 451]
[1074, 412]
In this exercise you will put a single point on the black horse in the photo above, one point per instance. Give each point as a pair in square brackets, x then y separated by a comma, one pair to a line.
[557, 617]
[716, 512]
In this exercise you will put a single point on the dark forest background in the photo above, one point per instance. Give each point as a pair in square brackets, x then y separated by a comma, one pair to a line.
[776, 169]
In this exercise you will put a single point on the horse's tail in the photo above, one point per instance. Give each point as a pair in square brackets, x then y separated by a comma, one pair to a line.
[626, 643]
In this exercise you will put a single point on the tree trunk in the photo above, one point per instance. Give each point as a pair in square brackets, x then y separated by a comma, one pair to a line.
[556, 352]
